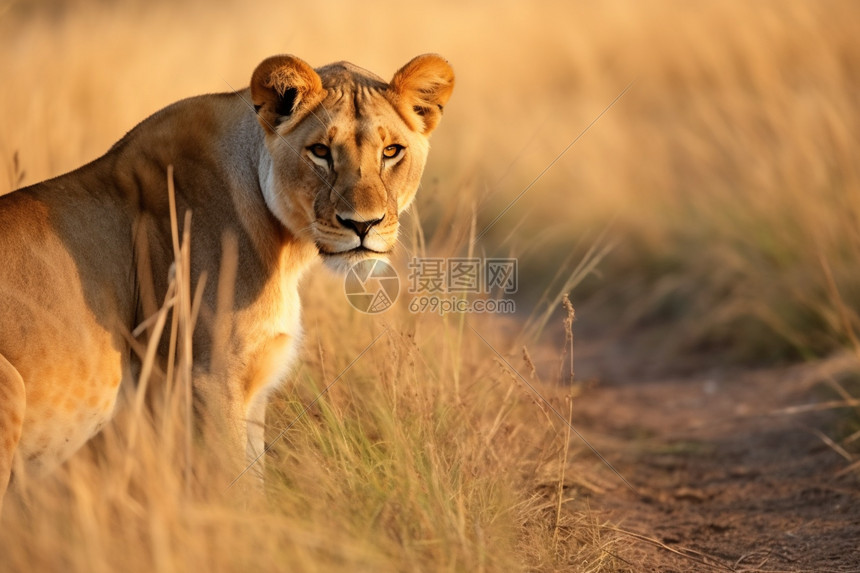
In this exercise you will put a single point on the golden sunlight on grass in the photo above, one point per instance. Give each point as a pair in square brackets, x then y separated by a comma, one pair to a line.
[726, 172]
[380, 463]
[715, 207]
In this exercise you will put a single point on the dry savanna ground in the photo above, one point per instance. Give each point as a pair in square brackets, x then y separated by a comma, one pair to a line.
[687, 172]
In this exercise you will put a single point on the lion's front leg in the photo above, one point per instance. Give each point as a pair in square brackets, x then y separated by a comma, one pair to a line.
[222, 425]
[255, 445]
[272, 361]
[232, 429]
[231, 404]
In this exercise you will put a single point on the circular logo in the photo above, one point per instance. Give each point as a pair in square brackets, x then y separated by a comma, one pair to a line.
[371, 286]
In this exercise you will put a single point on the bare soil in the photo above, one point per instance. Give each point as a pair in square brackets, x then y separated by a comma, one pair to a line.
[725, 479]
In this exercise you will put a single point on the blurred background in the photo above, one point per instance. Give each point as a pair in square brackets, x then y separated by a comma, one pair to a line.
[718, 198]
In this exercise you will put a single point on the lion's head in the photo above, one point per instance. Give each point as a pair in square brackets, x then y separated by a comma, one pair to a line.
[347, 149]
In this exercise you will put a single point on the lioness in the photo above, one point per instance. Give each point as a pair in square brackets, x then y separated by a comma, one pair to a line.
[303, 164]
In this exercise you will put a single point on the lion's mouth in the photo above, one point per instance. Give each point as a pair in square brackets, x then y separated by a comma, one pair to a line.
[359, 250]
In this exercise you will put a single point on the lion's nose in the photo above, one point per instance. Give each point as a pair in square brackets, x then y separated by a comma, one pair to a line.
[361, 228]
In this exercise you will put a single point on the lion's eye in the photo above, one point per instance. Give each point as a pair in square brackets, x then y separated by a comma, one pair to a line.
[392, 151]
[320, 150]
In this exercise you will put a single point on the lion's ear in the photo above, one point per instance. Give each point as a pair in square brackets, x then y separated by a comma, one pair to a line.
[282, 87]
[420, 90]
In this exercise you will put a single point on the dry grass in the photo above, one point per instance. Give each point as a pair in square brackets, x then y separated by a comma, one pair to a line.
[725, 178]
[379, 460]
[726, 175]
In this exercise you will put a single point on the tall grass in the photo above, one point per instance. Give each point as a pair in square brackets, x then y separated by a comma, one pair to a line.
[725, 181]
[377, 460]
[726, 174]
[390, 468]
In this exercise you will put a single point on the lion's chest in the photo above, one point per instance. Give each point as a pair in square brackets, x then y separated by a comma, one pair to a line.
[272, 341]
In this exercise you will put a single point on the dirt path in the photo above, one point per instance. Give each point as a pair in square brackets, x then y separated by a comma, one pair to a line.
[719, 477]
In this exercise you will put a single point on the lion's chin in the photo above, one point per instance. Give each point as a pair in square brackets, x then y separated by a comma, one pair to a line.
[341, 262]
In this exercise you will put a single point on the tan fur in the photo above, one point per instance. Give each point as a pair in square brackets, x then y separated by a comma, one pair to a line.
[85, 257]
